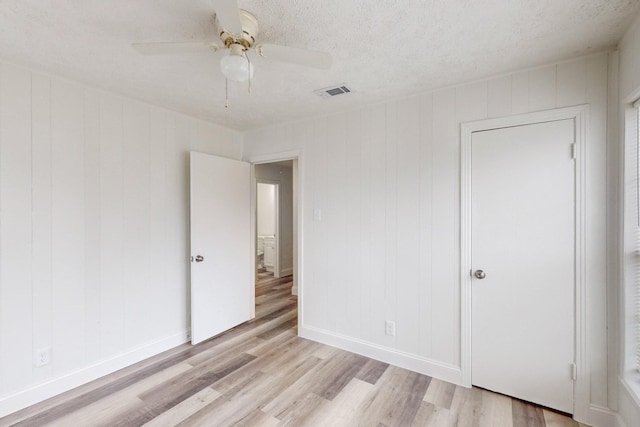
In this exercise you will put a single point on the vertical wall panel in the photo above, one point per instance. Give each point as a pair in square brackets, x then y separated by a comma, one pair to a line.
[314, 176]
[426, 248]
[180, 137]
[136, 261]
[366, 219]
[335, 219]
[41, 199]
[445, 228]
[112, 295]
[595, 72]
[92, 267]
[391, 215]
[572, 83]
[499, 96]
[353, 235]
[471, 102]
[375, 313]
[176, 251]
[408, 273]
[16, 316]
[542, 88]
[520, 93]
[67, 155]
[158, 242]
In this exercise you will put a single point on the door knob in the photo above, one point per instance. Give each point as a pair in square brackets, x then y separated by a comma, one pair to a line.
[479, 274]
[199, 258]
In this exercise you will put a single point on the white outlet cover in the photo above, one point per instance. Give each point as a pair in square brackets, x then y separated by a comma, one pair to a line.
[42, 356]
[390, 328]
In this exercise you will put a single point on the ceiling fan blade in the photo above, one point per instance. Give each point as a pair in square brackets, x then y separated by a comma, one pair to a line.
[228, 16]
[293, 55]
[158, 48]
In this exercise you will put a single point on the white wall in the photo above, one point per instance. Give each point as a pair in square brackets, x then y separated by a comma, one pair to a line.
[266, 209]
[93, 230]
[387, 178]
[629, 392]
[282, 175]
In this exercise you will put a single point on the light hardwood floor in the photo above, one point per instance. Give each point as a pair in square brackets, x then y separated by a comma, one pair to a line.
[261, 374]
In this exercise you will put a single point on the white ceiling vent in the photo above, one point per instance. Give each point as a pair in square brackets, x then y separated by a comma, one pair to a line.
[330, 92]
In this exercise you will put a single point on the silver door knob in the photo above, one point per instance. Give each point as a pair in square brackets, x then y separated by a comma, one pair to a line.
[479, 274]
[199, 258]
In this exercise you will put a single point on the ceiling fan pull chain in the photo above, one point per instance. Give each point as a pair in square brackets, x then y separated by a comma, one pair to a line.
[226, 93]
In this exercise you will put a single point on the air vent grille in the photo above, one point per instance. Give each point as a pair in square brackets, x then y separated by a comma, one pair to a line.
[330, 92]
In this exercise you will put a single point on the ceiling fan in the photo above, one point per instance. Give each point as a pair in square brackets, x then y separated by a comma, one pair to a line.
[238, 30]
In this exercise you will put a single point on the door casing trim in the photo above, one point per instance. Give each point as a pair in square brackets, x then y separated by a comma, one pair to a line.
[255, 159]
[580, 115]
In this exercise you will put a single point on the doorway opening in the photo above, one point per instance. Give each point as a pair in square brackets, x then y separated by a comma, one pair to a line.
[275, 236]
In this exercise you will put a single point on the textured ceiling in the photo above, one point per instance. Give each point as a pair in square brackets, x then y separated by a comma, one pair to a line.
[382, 49]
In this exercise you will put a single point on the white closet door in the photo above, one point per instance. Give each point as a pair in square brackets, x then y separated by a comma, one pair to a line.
[523, 237]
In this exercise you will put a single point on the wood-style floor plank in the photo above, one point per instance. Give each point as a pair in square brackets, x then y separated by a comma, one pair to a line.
[261, 373]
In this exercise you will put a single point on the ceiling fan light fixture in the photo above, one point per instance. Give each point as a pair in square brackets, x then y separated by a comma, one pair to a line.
[235, 66]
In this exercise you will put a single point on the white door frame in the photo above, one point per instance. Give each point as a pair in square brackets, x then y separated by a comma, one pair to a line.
[276, 197]
[298, 265]
[580, 115]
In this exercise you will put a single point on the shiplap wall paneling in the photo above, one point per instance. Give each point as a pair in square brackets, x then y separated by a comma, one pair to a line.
[157, 283]
[409, 210]
[178, 145]
[572, 82]
[391, 217]
[41, 217]
[352, 323]
[335, 220]
[426, 248]
[16, 351]
[111, 226]
[91, 225]
[373, 301]
[519, 93]
[443, 306]
[542, 88]
[594, 91]
[499, 96]
[68, 216]
[93, 230]
[136, 199]
[314, 261]
[614, 219]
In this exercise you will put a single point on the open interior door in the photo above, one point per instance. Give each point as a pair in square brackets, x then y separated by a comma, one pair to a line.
[220, 245]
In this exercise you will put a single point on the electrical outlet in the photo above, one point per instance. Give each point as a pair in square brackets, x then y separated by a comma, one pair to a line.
[42, 356]
[390, 328]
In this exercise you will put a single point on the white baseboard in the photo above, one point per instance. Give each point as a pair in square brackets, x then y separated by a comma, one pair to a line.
[286, 272]
[37, 393]
[628, 406]
[294, 290]
[432, 368]
[597, 416]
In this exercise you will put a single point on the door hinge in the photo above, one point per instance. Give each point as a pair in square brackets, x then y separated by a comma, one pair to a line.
[574, 371]
[574, 151]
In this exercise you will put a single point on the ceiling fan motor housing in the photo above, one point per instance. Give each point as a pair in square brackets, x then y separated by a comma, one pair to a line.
[249, 31]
